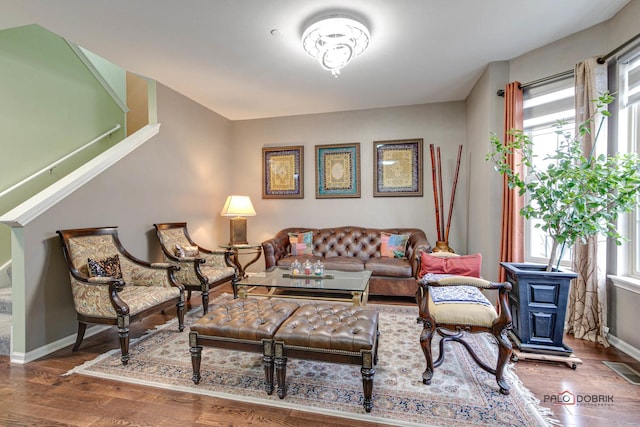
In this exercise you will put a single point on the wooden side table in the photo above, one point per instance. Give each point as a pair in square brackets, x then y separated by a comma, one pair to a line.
[255, 250]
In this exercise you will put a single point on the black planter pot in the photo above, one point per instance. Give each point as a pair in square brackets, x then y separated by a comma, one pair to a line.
[539, 306]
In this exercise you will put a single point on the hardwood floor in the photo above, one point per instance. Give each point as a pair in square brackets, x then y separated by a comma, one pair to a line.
[38, 394]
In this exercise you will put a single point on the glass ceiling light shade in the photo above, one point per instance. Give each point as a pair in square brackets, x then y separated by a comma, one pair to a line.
[334, 41]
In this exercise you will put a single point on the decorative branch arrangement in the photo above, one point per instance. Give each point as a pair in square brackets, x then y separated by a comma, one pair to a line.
[442, 243]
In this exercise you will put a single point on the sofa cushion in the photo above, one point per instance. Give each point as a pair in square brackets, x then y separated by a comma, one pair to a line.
[301, 243]
[390, 267]
[105, 267]
[186, 251]
[393, 245]
[464, 265]
[344, 263]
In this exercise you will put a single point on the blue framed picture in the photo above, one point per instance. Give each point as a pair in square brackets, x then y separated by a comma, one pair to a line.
[337, 170]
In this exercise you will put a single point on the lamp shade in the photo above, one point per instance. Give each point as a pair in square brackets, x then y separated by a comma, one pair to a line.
[238, 206]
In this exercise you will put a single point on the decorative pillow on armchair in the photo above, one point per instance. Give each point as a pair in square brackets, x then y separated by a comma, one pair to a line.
[461, 265]
[393, 245]
[186, 251]
[301, 243]
[105, 267]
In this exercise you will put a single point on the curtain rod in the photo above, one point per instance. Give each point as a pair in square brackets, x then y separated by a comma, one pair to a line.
[604, 58]
[564, 74]
[601, 60]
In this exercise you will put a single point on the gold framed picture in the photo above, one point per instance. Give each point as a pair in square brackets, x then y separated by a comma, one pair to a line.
[282, 172]
[397, 168]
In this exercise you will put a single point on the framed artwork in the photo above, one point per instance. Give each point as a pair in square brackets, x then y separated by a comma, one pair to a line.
[337, 170]
[397, 168]
[282, 172]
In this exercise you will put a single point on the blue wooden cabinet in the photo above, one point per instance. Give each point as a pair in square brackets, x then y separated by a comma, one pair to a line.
[538, 305]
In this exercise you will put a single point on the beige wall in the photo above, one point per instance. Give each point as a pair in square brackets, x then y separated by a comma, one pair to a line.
[485, 115]
[181, 174]
[440, 124]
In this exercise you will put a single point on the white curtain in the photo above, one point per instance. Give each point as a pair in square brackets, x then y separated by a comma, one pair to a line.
[586, 311]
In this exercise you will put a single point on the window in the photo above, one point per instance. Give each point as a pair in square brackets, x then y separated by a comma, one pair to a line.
[544, 106]
[629, 132]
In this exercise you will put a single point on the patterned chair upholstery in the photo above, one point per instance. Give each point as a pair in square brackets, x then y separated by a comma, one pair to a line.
[202, 269]
[101, 297]
[452, 305]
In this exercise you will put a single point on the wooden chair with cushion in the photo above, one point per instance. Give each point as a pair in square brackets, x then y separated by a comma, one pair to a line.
[453, 305]
[110, 286]
[201, 269]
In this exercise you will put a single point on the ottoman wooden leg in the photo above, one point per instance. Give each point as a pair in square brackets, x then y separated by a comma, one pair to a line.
[367, 379]
[196, 356]
[267, 362]
[281, 370]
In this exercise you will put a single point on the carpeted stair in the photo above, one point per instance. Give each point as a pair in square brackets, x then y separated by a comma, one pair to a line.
[5, 320]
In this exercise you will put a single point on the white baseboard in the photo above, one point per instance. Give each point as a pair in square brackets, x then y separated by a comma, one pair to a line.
[624, 346]
[22, 358]
[5, 281]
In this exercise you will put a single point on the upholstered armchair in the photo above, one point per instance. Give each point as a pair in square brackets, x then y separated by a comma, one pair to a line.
[110, 286]
[201, 269]
[453, 305]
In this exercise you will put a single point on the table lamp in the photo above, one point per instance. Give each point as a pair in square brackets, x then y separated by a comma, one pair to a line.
[238, 207]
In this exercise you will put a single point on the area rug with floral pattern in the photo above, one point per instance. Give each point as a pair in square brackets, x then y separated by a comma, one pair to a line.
[460, 393]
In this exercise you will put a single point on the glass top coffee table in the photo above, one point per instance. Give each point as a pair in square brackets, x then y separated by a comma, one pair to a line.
[332, 286]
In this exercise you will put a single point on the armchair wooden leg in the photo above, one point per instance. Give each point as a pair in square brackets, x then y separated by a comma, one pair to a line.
[425, 342]
[180, 311]
[123, 334]
[82, 327]
[504, 354]
[205, 300]
[234, 286]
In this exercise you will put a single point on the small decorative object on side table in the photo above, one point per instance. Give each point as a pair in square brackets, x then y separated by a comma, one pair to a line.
[255, 250]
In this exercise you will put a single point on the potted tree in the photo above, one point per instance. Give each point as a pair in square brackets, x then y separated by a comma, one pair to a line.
[574, 195]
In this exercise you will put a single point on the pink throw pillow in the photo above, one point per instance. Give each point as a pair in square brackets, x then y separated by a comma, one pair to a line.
[464, 265]
[393, 245]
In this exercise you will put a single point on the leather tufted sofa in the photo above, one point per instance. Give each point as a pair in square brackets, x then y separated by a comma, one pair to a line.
[354, 249]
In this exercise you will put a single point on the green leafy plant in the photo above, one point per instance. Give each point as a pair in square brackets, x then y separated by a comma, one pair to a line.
[574, 194]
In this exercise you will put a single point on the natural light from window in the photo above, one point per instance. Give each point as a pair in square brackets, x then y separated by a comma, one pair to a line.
[628, 134]
[543, 108]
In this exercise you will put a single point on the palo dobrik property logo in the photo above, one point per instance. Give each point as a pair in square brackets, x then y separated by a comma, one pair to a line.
[567, 398]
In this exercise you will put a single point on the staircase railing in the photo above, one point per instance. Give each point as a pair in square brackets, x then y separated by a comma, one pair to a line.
[57, 162]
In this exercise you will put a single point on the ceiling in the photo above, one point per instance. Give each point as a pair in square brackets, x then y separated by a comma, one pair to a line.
[221, 53]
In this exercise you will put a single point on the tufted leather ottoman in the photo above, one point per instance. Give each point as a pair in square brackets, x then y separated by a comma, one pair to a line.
[330, 333]
[240, 324]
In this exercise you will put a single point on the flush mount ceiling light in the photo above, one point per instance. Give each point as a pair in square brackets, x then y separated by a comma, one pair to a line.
[334, 41]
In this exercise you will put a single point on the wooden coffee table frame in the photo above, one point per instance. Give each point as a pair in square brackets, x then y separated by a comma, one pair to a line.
[357, 298]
